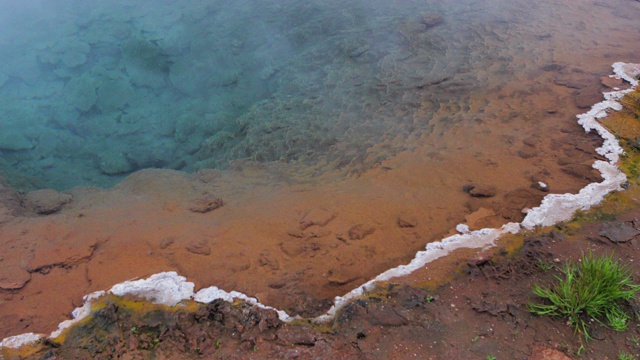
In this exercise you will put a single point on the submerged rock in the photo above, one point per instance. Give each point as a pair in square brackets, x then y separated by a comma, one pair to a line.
[14, 142]
[480, 190]
[46, 201]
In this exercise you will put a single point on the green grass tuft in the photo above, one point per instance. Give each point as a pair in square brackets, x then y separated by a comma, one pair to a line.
[595, 288]
[625, 356]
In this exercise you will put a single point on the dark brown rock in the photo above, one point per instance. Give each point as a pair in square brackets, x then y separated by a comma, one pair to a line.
[385, 315]
[619, 232]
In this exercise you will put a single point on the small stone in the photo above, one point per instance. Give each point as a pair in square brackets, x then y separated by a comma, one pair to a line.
[540, 186]
[481, 190]
[407, 221]
[431, 19]
[318, 217]
[206, 205]
[199, 247]
[46, 201]
[14, 280]
[114, 163]
[552, 67]
[166, 242]
[360, 231]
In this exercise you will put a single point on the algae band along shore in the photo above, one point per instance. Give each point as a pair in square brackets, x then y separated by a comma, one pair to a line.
[288, 150]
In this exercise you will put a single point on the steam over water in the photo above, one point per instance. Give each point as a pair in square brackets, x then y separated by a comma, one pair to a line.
[91, 91]
[343, 136]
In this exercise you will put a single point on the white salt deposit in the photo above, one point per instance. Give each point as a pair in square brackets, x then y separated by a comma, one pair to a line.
[78, 313]
[561, 207]
[17, 341]
[209, 294]
[463, 228]
[474, 239]
[169, 288]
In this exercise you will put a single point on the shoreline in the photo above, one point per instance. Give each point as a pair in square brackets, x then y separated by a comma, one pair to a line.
[553, 209]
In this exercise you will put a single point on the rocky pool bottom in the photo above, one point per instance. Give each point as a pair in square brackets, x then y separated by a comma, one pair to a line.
[207, 205]
[472, 306]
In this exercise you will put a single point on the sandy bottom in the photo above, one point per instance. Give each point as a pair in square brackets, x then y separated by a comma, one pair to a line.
[294, 239]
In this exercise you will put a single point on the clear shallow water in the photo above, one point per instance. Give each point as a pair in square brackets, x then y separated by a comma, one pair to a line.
[91, 91]
[417, 108]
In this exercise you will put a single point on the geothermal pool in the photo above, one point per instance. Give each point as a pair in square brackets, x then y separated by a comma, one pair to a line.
[291, 150]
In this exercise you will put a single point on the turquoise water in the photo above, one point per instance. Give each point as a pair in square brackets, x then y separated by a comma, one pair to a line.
[91, 91]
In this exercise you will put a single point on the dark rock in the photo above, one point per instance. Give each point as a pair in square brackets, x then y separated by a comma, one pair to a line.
[619, 232]
[46, 201]
[552, 67]
[384, 315]
[491, 307]
[206, 205]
